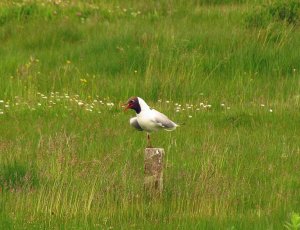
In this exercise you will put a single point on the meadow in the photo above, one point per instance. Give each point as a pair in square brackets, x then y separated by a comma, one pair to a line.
[229, 70]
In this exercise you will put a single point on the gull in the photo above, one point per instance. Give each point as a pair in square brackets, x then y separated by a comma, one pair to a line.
[148, 119]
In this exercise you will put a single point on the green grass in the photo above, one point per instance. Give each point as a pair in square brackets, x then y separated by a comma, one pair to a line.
[69, 158]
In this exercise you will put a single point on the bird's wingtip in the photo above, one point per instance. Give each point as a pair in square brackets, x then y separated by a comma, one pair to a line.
[180, 124]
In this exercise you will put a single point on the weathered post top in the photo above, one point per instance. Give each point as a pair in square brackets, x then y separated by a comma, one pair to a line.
[153, 161]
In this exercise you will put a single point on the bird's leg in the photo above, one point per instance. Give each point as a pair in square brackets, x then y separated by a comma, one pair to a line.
[148, 141]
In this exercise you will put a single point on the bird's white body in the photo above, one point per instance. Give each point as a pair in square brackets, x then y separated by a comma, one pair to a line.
[148, 119]
[151, 120]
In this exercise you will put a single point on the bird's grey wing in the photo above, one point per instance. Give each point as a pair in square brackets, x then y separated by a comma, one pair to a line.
[163, 121]
[134, 123]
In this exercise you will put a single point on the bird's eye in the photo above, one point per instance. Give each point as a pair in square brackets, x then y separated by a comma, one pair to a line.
[132, 101]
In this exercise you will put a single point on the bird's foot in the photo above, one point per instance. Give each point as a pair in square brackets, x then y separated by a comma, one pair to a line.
[148, 141]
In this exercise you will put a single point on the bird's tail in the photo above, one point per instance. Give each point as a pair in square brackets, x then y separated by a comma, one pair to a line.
[175, 126]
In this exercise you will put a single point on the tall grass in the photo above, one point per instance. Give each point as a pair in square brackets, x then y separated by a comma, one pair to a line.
[68, 156]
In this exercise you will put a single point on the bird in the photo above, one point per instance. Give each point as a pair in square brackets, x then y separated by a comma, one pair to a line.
[148, 119]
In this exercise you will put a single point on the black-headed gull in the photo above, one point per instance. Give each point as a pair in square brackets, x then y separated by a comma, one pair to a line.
[148, 119]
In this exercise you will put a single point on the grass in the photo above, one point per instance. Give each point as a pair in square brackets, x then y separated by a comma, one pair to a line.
[68, 156]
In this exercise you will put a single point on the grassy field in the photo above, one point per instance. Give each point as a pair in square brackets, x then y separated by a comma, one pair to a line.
[229, 70]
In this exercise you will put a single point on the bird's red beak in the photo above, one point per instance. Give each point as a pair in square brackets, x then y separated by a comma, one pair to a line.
[127, 106]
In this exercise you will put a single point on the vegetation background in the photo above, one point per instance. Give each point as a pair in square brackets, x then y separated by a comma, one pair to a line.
[228, 69]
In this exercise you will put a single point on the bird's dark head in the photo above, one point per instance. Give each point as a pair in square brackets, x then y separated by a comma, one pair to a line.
[133, 103]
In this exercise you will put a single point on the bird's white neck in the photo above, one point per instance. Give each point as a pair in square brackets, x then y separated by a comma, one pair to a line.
[143, 104]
